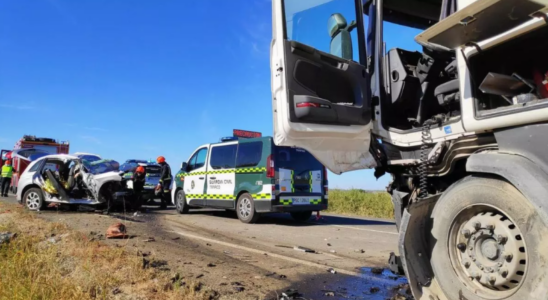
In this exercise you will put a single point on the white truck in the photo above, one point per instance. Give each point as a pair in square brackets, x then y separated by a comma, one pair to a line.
[461, 127]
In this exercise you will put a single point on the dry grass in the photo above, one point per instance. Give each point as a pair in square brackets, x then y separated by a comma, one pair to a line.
[361, 203]
[74, 267]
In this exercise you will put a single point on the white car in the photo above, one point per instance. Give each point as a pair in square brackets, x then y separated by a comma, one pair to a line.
[69, 179]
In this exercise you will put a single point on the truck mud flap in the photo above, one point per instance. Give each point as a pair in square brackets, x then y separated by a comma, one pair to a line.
[416, 243]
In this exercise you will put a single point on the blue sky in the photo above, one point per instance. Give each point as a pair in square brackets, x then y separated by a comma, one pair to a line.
[138, 79]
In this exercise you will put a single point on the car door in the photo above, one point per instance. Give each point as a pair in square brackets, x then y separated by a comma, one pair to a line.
[221, 177]
[320, 83]
[194, 185]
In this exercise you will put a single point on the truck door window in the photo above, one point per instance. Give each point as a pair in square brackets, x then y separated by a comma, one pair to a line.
[326, 25]
[223, 157]
[249, 154]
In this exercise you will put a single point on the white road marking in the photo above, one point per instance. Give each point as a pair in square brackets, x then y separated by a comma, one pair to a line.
[356, 228]
[260, 252]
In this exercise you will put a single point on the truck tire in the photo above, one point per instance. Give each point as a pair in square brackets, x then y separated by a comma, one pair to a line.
[180, 202]
[245, 209]
[34, 199]
[301, 216]
[490, 243]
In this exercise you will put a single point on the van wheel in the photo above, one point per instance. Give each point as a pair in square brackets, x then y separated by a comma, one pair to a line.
[33, 199]
[301, 216]
[180, 202]
[245, 209]
[490, 242]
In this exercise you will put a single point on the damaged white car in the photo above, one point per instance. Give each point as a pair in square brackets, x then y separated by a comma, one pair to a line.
[67, 179]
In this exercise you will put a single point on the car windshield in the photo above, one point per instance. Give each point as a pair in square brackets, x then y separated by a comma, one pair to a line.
[90, 158]
[101, 166]
[129, 167]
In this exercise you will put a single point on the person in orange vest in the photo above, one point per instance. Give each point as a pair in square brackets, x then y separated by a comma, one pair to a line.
[7, 174]
[164, 185]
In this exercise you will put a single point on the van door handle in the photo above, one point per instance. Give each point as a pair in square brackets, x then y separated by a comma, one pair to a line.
[201, 177]
[212, 177]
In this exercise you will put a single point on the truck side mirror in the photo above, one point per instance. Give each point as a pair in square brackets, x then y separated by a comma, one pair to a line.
[339, 31]
[184, 166]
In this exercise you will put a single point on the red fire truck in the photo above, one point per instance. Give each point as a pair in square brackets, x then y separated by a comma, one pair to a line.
[28, 148]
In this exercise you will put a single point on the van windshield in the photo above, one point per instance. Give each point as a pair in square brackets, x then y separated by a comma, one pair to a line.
[298, 160]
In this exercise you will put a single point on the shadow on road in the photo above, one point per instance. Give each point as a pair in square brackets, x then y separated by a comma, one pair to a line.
[285, 219]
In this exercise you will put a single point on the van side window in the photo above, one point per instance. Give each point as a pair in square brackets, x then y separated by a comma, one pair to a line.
[198, 160]
[223, 157]
[249, 154]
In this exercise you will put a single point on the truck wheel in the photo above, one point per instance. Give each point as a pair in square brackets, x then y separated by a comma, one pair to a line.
[180, 204]
[301, 216]
[245, 209]
[33, 199]
[490, 243]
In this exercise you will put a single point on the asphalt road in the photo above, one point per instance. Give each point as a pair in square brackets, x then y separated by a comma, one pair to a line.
[251, 252]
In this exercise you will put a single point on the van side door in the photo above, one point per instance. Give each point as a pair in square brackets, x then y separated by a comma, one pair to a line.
[221, 177]
[195, 177]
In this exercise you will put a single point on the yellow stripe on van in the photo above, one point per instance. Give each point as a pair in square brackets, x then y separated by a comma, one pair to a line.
[238, 171]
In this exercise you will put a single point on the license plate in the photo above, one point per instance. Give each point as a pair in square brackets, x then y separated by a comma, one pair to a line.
[301, 201]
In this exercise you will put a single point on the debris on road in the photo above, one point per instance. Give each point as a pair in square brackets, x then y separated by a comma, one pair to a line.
[332, 251]
[150, 239]
[291, 294]
[332, 271]
[211, 265]
[117, 230]
[6, 237]
[328, 244]
[175, 238]
[377, 271]
[304, 249]
[116, 291]
[199, 276]
[281, 276]
[359, 251]
[329, 294]
[374, 290]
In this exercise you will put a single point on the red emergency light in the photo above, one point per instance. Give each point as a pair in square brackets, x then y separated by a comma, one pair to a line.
[246, 134]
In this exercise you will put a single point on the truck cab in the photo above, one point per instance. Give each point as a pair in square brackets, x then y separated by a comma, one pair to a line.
[252, 176]
[457, 125]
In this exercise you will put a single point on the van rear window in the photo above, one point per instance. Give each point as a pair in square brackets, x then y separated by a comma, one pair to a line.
[296, 159]
[249, 154]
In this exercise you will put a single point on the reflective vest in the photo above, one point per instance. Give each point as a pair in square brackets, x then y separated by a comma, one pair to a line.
[7, 171]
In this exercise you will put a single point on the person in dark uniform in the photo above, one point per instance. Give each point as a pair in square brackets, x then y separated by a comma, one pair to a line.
[139, 178]
[164, 186]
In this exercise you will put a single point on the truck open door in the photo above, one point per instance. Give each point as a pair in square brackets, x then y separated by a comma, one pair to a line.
[321, 91]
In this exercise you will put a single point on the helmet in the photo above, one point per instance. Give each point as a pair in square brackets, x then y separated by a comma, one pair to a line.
[161, 159]
[8, 162]
[140, 169]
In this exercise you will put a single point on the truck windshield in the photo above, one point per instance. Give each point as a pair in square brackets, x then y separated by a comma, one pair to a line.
[298, 160]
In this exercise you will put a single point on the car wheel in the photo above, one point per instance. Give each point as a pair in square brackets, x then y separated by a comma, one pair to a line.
[490, 242]
[33, 199]
[245, 209]
[301, 216]
[180, 202]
